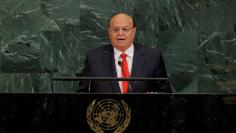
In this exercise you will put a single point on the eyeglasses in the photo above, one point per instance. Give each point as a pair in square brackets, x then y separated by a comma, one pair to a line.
[124, 30]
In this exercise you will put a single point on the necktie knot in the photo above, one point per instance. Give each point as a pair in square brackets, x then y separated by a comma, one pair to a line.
[123, 56]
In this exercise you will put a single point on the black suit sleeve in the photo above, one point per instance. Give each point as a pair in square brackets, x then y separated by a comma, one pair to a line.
[85, 85]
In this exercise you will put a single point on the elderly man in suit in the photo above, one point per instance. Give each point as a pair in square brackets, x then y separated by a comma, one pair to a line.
[124, 58]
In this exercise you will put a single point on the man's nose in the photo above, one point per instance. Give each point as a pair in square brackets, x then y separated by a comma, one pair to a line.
[120, 32]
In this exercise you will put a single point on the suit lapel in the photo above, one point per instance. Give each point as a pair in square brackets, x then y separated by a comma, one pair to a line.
[109, 67]
[138, 63]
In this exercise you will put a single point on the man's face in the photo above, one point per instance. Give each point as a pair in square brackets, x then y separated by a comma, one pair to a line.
[121, 31]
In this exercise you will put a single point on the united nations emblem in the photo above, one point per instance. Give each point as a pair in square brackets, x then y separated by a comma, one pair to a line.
[108, 115]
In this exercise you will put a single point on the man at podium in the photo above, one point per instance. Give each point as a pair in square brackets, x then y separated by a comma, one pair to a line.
[124, 58]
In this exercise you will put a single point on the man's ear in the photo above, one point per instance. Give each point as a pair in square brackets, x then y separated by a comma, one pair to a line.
[134, 30]
[108, 31]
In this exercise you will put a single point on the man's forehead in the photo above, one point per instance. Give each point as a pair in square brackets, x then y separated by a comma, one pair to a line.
[121, 15]
[121, 18]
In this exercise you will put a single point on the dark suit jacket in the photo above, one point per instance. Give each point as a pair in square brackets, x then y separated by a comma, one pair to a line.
[147, 62]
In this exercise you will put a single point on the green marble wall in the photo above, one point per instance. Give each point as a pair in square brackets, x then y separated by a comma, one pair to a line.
[41, 39]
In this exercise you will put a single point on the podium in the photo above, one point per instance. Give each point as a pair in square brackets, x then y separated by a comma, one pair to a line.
[161, 113]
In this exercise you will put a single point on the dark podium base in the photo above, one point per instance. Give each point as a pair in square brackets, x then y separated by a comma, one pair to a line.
[151, 113]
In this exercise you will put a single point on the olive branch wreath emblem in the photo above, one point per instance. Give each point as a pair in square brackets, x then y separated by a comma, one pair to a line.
[97, 129]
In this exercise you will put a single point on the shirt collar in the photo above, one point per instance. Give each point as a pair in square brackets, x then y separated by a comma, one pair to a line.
[129, 52]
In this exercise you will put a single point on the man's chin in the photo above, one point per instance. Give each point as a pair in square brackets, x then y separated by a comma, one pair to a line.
[121, 42]
[121, 47]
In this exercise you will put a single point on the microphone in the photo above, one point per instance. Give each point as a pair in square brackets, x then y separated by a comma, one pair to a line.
[120, 64]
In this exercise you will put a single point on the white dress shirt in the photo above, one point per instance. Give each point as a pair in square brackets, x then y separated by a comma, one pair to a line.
[130, 54]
